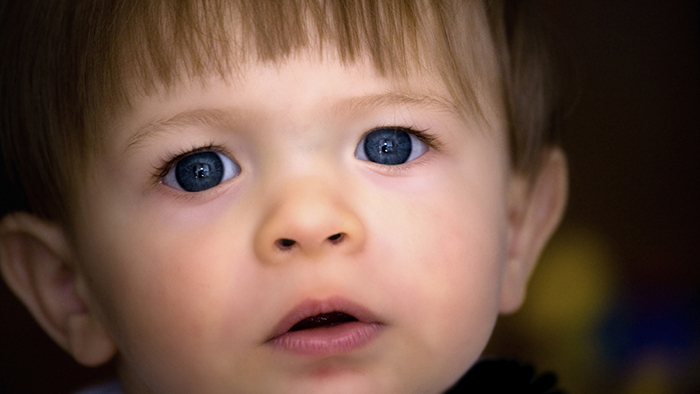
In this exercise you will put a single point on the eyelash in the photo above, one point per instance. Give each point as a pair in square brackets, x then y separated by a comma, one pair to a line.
[423, 135]
[170, 159]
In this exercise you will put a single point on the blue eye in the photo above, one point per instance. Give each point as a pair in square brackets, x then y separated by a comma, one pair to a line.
[390, 146]
[200, 171]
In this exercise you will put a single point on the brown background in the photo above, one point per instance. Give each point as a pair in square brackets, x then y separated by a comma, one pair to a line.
[633, 143]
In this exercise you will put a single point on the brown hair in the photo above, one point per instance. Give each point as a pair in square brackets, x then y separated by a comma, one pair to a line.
[68, 65]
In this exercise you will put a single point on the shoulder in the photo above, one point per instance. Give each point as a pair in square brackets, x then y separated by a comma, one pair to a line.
[501, 375]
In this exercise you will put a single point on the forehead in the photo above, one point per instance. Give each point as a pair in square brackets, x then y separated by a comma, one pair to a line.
[298, 87]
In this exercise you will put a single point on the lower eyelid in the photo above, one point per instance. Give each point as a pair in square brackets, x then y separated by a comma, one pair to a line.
[191, 197]
[405, 169]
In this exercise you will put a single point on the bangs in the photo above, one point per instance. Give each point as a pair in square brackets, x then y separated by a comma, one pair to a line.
[151, 45]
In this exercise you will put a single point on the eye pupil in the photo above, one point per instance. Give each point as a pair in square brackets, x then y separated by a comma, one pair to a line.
[201, 171]
[389, 146]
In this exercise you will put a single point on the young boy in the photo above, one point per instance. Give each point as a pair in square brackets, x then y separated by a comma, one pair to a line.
[276, 196]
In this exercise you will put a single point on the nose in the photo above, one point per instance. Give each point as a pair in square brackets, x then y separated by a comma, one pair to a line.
[308, 219]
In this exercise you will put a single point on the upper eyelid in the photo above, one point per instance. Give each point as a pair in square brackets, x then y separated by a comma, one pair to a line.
[171, 160]
[428, 138]
[423, 135]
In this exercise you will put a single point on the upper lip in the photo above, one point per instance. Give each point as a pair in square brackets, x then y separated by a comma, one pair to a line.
[313, 307]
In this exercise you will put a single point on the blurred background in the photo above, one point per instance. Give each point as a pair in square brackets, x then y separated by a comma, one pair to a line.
[614, 306]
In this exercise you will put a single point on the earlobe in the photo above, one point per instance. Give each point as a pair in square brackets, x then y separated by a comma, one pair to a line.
[535, 212]
[36, 262]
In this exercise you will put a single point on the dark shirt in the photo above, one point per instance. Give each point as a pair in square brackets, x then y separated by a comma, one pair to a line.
[504, 376]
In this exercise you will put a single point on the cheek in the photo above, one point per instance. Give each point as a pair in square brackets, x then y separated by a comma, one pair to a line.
[452, 263]
[160, 284]
[443, 251]
[450, 229]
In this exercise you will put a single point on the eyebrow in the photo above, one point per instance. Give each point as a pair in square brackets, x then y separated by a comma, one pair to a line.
[211, 117]
[226, 117]
[427, 101]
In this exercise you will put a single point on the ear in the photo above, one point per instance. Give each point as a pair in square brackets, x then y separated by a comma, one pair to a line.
[535, 210]
[37, 264]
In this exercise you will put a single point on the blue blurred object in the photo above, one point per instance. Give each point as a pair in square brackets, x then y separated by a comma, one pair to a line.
[653, 322]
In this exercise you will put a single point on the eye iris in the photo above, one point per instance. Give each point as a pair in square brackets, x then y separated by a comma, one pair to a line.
[388, 146]
[199, 171]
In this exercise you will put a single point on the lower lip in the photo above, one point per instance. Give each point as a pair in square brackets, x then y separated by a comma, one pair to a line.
[323, 341]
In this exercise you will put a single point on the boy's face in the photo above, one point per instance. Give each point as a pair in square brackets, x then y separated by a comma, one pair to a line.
[199, 289]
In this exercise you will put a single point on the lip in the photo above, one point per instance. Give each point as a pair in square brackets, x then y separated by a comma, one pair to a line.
[338, 339]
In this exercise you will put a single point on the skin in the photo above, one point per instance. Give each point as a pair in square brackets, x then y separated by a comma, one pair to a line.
[189, 286]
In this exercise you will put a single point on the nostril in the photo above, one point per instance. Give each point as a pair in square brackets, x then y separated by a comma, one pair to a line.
[335, 238]
[285, 243]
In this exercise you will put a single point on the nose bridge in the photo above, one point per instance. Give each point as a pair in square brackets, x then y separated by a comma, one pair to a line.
[307, 218]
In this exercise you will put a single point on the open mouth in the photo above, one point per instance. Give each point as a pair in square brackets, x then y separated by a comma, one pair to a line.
[322, 328]
[323, 320]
